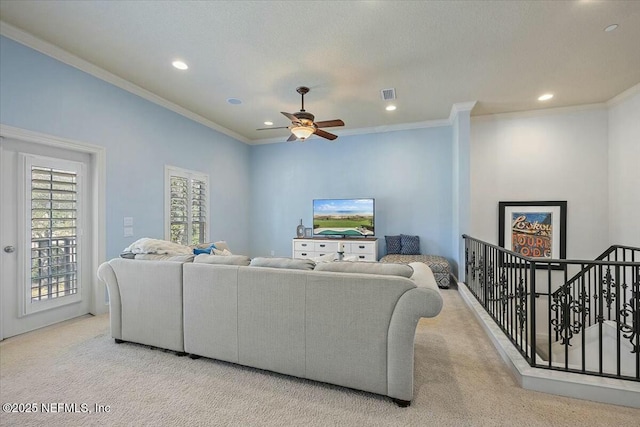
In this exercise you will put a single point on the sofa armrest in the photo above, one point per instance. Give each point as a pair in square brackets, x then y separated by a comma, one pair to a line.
[423, 301]
[147, 306]
[423, 276]
[108, 276]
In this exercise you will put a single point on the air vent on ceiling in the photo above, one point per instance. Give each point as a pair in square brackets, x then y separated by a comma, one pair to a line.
[388, 94]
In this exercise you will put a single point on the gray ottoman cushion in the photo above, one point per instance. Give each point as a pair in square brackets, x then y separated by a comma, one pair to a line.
[439, 265]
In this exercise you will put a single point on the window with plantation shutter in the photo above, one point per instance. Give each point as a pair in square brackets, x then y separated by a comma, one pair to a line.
[187, 206]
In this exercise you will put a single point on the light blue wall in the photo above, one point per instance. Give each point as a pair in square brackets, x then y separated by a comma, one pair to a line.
[41, 94]
[407, 172]
[258, 193]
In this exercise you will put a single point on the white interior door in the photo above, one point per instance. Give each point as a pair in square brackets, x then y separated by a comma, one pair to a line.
[45, 225]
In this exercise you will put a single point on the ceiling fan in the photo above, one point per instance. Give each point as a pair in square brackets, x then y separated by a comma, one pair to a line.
[302, 124]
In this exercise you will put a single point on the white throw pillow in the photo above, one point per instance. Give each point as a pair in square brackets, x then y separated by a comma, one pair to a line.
[222, 245]
[223, 252]
[325, 258]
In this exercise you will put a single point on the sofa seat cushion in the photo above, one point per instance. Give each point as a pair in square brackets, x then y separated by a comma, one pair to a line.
[366, 268]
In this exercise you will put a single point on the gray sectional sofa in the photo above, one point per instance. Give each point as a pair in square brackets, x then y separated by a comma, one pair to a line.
[349, 324]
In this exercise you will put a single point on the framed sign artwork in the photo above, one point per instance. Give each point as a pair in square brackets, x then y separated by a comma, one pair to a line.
[534, 229]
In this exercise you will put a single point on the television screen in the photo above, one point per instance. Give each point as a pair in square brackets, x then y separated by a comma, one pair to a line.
[343, 217]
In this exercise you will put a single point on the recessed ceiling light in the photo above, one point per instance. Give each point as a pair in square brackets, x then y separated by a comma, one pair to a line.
[180, 65]
[390, 107]
[268, 123]
[611, 28]
[545, 97]
[234, 101]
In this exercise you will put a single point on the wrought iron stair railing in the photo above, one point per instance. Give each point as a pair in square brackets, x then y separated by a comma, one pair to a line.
[571, 315]
[574, 285]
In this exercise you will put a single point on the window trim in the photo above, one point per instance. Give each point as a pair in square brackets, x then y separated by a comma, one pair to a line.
[170, 171]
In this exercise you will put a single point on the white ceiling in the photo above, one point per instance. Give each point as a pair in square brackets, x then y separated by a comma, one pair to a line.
[502, 54]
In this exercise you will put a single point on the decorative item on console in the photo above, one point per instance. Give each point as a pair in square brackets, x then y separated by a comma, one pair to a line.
[300, 229]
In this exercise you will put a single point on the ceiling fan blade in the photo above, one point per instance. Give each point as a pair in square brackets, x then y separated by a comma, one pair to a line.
[292, 137]
[330, 123]
[291, 117]
[279, 127]
[326, 135]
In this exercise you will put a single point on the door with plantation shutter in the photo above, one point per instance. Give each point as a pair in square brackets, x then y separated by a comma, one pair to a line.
[44, 220]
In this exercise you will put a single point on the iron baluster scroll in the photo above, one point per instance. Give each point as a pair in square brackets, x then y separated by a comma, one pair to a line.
[469, 263]
[608, 288]
[570, 311]
[521, 307]
[630, 312]
[491, 284]
[480, 269]
[499, 291]
[466, 262]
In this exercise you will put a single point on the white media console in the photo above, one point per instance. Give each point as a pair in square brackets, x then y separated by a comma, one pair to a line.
[365, 249]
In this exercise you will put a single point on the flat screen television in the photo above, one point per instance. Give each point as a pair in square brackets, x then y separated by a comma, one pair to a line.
[344, 217]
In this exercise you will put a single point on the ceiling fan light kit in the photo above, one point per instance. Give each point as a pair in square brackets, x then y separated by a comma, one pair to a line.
[303, 125]
[302, 132]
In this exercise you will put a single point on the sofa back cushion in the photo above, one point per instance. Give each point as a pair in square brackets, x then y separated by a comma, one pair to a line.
[367, 268]
[219, 259]
[289, 263]
[162, 257]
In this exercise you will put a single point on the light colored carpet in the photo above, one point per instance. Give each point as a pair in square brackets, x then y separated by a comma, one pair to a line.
[459, 381]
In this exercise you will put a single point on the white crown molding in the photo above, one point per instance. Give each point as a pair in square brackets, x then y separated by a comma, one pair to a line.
[62, 55]
[541, 112]
[633, 90]
[460, 107]
[369, 130]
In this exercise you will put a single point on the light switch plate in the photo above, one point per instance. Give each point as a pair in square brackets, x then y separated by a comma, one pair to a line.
[127, 221]
[128, 231]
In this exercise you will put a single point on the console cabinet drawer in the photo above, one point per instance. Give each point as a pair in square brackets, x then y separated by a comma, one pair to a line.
[363, 257]
[303, 245]
[304, 254]
[326, 246]
[363, 250]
